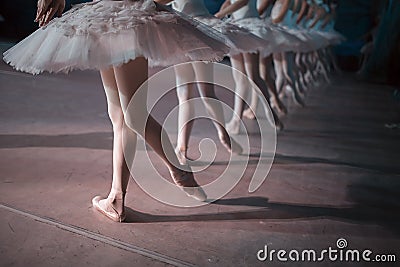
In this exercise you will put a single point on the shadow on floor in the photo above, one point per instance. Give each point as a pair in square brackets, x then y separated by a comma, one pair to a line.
[387, 217]
[103, 141]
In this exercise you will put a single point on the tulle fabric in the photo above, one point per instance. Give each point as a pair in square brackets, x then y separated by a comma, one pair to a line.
[240, 39]
[101, 34]
[279, 39]
[331, 35]
[310, 40]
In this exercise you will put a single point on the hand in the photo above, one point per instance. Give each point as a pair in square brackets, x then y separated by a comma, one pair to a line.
[218, 15]
[47, 9]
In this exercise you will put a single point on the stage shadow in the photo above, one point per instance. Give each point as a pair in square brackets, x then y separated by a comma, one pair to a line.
[103, 141]
[276, 211]
[256, 158]
[95, 140]
[285, 159]
[381, 195]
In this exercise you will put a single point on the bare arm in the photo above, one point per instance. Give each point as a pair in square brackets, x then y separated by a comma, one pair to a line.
[47, 9]
[326, 21]
[225, 4]
[264, 5]
[320, 14]
[295, 7]
[231, 8]
[283, 11]
[303, 11]
[310, 13]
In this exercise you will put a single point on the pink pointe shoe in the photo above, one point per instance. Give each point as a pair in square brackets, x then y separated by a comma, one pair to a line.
[112, 207]
[181, 155]
[186, 182]
[230, 144]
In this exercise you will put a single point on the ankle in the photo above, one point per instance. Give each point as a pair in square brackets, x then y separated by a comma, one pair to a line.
[116, 194]
[181, 149]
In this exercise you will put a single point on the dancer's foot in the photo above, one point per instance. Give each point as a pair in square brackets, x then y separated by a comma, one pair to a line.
[233, 127]
[186, 182]
[249, 114]
[112, 206]
[301, 90]
[181, 155]
[295, 96]
[278, 105]
[283, 93]
[278, 123]
[230, 144]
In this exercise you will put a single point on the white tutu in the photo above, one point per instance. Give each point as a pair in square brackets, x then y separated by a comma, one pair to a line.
[101, 34]
[310, 40]
[332, 36]
[240, 39]
[279, 39]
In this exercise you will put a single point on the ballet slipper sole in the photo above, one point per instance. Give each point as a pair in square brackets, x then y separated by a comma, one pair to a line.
[110, 215]
[195, 192]
[181, 158]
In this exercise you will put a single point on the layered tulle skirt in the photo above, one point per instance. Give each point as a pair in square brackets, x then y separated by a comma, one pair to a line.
[279, 39]
[102, 34]
[239, 39]
[331, 35]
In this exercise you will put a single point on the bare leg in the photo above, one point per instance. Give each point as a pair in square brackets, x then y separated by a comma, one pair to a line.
[265, 72]
[323, 65]
[280, 79]
[129, 78]
[308, 59]
[287, 61]
[184, 75]
[301, 71]
[314, 58]
[241, 83]
[295, 74]
[113, 205]
[204, 72]
[333, 61]
[253, 72]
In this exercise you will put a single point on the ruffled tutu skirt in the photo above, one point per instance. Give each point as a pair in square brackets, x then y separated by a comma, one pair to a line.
[239, 39]
[310, 40]
[333, 37]
[106, 33]
[279, 40]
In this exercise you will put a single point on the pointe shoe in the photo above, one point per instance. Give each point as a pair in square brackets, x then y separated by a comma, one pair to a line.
[181, 155]
[231, 145]
[279, 106]
[295, 96]
[188, 184]
[233, 127]
[282, 94]
[110, 207]
[278, 123]
[249, 114]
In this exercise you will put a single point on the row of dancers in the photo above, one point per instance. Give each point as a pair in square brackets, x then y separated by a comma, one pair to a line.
[284, 46]
[122, 38]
